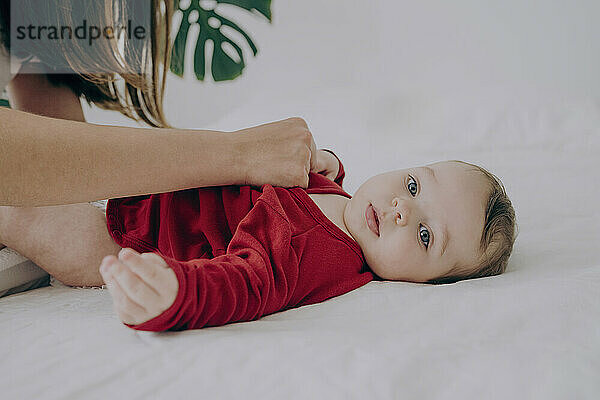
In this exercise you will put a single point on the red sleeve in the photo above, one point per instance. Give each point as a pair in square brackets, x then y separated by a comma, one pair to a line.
[341, 173]
[256, 277]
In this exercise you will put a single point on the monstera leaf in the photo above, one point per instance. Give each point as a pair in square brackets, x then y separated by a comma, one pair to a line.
[223, 66]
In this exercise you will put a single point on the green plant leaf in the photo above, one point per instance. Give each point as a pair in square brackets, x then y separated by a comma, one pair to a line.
[178, 52]
[223, 66]
[262, 6]
[199, 58]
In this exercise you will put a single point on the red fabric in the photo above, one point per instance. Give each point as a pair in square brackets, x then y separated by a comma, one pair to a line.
[240, 252]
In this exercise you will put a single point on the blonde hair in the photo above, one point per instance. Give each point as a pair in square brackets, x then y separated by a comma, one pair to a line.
[498, 236]
[141, 98]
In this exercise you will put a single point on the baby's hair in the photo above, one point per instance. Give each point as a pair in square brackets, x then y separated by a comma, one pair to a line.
[497, 239]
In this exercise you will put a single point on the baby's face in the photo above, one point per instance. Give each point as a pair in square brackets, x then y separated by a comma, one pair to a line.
[419, 223]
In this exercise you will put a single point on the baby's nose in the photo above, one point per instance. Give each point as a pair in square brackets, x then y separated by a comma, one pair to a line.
[400, 212]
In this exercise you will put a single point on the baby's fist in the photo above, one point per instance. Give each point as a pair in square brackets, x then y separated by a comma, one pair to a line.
[326, 164]
[142, 285]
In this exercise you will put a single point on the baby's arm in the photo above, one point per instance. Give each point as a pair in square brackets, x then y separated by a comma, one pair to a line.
[257, 276]
[213, 292]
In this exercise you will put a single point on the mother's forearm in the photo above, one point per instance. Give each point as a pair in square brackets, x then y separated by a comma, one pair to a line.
[49, 161]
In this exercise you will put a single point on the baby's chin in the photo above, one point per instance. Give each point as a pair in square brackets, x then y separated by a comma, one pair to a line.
[379, 269]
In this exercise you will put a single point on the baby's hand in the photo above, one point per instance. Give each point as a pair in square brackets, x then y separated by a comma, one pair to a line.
[142, 285]
[326, 164]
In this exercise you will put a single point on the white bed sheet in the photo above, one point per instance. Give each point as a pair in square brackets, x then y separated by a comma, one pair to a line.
[533, 332]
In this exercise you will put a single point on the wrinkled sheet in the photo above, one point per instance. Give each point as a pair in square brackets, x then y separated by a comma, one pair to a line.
[533, 332]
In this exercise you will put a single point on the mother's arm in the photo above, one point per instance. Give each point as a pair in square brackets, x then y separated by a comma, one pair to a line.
[49, 161]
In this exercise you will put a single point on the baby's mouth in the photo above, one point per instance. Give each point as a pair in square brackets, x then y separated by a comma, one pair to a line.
[372, 219]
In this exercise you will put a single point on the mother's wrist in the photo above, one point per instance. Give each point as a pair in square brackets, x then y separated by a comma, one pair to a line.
[214, 157]
[238, 157]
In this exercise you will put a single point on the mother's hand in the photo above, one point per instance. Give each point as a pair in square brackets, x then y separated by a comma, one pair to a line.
[279, 153]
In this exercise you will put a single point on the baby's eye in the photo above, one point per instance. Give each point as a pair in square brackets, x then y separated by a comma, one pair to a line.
[412, 185]
[424, 235]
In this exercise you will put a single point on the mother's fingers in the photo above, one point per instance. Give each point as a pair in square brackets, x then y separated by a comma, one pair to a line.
[313, 154]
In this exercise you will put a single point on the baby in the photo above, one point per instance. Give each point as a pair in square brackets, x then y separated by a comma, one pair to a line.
[211, 256]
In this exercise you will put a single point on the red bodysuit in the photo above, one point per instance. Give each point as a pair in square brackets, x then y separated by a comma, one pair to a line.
[240, 252]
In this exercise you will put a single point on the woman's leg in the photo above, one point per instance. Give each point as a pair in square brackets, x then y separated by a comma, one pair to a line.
[67, 241]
